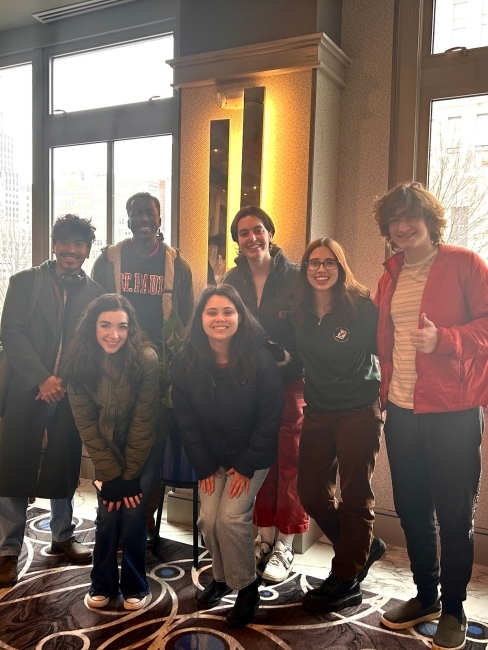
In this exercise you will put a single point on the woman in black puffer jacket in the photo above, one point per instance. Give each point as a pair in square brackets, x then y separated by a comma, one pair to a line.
[228, 399]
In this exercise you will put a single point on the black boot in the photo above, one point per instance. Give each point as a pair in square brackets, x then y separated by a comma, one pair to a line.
[247, 604]
[377, 550]
[212, 595]
[333, 595]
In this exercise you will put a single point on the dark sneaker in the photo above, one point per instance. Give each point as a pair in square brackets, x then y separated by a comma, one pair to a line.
[8, 570]
[409, 614]
[75, 550]
[245, 608]
[377, 550]
[451, 634]
[262, 551]
[212, 595]
[332, 596]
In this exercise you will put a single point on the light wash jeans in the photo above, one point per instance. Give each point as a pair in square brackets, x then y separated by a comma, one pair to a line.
[13, 517]
[226, 525]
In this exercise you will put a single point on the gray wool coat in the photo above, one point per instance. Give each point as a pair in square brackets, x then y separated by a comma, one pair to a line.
[31, 351]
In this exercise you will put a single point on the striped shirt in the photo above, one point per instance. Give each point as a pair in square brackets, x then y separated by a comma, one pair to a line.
[405, 313]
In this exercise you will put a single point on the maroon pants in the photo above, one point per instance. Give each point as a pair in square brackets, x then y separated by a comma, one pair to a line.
[348, 441]
[277, 502]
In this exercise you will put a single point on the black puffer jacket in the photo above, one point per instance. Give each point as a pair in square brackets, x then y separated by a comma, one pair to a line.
[227, 425]
[274, 311]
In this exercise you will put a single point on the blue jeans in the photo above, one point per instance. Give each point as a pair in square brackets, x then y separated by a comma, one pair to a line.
[126, 527]
[13, 517]
[226, 525]
[435, 464]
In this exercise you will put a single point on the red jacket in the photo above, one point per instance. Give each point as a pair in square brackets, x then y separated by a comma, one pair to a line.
[455, 376]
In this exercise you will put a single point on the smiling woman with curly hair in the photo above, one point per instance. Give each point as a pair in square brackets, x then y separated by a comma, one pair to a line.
[112, 374]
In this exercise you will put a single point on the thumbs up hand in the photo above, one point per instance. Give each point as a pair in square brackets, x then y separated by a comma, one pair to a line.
[424, 339]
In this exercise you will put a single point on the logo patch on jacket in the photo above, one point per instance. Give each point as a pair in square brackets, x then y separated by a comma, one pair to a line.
[341, 334]
[282, 314]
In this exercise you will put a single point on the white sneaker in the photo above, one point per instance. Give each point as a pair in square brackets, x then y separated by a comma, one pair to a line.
[136, 602]
[279, 563]
[93, 599]
[262, 550]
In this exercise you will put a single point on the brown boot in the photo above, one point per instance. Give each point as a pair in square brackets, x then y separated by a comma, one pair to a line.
[8, 570]
[77, 552]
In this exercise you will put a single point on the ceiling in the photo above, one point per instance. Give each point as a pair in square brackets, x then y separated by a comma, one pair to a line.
[17, 13]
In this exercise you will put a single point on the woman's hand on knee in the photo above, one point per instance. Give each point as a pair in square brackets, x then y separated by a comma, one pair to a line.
[133, 502]
[112, 505]
[239, 483]
[208, 484]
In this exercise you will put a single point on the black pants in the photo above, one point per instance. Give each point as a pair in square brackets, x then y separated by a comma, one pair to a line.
[435, 464]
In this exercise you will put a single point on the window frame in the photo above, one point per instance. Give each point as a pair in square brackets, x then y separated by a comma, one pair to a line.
[420, 77]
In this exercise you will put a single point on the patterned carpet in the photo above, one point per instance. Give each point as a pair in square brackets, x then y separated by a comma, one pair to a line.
[46, 610]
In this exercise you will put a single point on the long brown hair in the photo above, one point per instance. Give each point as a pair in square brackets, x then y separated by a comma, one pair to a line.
[82, 364]
[346, 292]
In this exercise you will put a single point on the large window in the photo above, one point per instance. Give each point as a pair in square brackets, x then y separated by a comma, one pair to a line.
[458, 173]
[110, 133]
[440, 134]
[15, 172]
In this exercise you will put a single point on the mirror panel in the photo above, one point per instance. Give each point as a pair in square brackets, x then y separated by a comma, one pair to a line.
[252, 146]
[217, 200]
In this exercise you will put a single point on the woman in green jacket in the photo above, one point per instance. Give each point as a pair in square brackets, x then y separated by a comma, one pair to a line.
[112, 374]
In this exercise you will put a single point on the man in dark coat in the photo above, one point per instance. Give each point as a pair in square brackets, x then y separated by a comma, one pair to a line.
[40, 448]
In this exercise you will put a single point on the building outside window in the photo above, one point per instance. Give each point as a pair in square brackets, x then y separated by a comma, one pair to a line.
[15, 172]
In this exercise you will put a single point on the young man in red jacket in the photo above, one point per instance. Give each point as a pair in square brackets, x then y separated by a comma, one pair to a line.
[433, 352]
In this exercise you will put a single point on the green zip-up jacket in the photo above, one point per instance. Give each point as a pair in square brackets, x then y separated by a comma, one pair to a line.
[116, 423]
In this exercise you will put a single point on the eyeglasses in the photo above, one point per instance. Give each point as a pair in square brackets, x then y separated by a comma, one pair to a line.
[314, 265]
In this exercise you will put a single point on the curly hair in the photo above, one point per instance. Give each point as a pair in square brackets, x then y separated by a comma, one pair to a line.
[82, 363]
[73, 226]
[411, 199]
[346, 292]
[196, 352]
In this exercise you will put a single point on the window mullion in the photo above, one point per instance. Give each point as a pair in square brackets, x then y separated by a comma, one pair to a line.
[115, 123]
[40, 160]
[110, 192]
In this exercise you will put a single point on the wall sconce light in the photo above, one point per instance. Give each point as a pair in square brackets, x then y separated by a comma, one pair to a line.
[232, 100]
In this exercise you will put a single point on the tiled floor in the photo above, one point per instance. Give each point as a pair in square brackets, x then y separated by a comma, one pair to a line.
[390, 576]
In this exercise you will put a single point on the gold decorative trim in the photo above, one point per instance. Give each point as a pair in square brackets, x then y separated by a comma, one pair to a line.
[285, 55]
